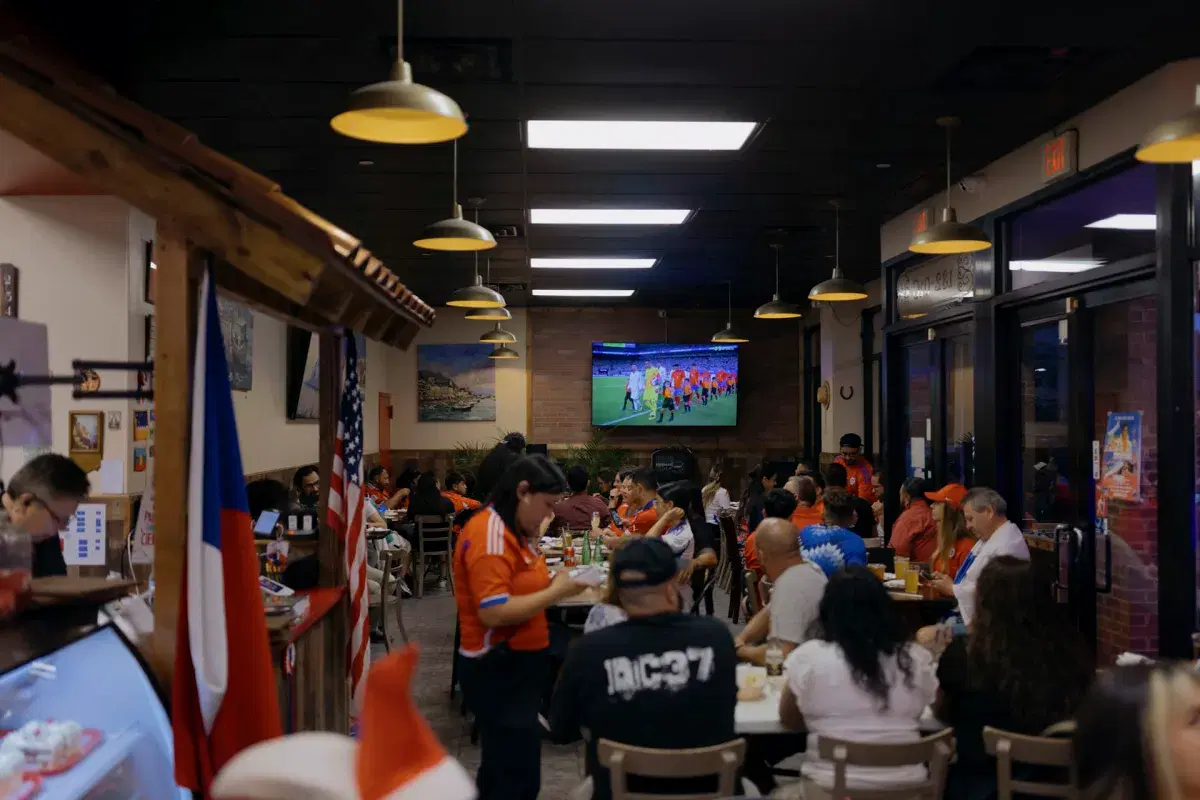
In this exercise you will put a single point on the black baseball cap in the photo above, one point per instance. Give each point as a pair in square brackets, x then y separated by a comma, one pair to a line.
[643, 562]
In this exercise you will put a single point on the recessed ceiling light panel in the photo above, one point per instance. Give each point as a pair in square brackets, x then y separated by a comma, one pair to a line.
[1068, 265]
[583, 292]
[592, 263]
[1126, 222]
[608, 216]
[557, 134]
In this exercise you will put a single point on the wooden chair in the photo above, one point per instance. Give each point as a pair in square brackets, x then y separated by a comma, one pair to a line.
[753, 598]
[390, 594]
[934, 751]
[1009, 747]
[433, 543]
[622, 760]
[733, 572]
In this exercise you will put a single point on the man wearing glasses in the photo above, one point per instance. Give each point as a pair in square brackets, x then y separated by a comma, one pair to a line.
[39, 500]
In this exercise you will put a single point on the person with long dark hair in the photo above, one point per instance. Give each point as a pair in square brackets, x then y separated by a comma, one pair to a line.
[681, 525]
[427, 500]
[1136, 735]
[1021, 668]
[862, 680]
[761, 480]
[503, 589]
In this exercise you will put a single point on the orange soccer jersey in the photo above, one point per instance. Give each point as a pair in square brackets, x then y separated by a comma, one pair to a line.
[677, 378]
[622, 510]
[490, 566]
[694, 376]
[460, 502]
[644, 519]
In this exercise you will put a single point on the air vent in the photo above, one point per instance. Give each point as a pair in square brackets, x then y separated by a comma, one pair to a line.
[508, 232]
[1009, 69]
[457, 60]
[511, 287]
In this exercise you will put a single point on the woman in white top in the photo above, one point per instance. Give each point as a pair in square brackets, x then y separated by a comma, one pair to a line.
[715, 498]
[863, 680]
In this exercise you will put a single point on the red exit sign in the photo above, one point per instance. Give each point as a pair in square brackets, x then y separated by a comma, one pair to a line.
[1060, 156]
[923, 220]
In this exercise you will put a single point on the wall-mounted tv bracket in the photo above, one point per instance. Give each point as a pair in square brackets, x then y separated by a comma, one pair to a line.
[11, 380]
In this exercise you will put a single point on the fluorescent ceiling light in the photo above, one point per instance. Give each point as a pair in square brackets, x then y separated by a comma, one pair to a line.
[1126, 222]
[560, 134]
[608, 216]
[1056, 265]
[592, 263]
[582, 292]
[1040, 369]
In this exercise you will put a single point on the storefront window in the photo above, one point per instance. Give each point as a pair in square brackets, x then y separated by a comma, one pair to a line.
[918, 411]
[1106, 222]
[1045, 457]
[959, 380]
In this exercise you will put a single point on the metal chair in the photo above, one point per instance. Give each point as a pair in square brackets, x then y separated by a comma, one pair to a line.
[390, 595]
[434, 535]
[1044, 751]
[935, 751]
[624, 760]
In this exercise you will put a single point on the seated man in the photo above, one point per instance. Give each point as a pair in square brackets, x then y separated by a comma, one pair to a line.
[780, 504]
[378, 488]
[661, 679]
[798, 586]
[41, 497]
[834, 545]
[575, 511]
[864, 513]
[641, 492]
[307, 485]
[456, 493]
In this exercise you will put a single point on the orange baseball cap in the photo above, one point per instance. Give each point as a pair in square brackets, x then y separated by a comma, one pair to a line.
[951, 494]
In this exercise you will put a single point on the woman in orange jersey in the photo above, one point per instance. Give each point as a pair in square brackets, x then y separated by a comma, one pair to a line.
[502, 591]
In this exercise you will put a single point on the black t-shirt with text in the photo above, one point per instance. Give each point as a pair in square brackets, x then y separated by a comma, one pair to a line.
[664, 681]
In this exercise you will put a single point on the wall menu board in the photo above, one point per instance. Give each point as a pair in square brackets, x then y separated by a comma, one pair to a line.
[84, 538]
[935, 284]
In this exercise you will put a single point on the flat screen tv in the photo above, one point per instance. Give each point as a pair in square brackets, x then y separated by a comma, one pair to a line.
[664, 385]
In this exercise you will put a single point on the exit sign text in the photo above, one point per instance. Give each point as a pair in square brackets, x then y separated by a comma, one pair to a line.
[1060, 156]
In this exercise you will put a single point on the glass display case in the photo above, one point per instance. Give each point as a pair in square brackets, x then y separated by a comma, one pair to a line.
[95, 678]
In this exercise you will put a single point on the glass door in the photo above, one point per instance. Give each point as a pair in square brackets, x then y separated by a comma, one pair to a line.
[938, 405]
[1088, 462]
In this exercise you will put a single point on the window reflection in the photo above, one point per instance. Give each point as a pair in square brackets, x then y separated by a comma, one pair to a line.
[1045, 464]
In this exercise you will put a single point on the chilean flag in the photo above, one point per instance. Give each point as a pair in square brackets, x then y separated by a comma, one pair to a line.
[223, 691]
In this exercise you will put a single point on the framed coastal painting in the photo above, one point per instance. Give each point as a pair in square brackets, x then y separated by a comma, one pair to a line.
[455, 383]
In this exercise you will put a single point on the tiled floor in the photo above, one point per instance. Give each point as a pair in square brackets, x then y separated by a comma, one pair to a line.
[430, 624]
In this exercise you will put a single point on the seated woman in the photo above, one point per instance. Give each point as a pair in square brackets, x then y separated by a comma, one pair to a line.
[427, 499]
[1021, 668]
[1136, 733]
[861, 680]
[681, 525]
[953, 541]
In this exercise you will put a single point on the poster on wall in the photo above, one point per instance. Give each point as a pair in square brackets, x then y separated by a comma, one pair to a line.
[83, 539]
[1121, 457]
[303, 372]
[455, 382]
[237, 328]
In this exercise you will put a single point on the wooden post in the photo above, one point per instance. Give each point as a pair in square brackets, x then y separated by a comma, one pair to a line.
[179, 271]
[329, 383]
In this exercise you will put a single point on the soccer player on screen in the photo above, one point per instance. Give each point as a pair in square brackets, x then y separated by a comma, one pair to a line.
[629, 389]
[687, 397]
[668, 401]
[705, 383]
[650, 391]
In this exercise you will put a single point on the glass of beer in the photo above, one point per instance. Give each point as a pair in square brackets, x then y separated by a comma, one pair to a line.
[901, 566]
[912, 578]
[877, 570]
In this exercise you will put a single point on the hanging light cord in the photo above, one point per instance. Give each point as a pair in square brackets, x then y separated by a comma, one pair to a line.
[729, 319]
[947, 166]
[454, 178]
[476, 222]
[837, 236]
[777, 272]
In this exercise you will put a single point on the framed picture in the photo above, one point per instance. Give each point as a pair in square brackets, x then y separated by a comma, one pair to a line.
[149, 274]
[151, 336]
[9, 278]
[455, 382]
[87, 432]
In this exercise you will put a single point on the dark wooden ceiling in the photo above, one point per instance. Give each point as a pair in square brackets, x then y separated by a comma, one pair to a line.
[847, 92]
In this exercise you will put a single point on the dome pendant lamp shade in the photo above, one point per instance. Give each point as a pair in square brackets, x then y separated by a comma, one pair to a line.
[727, 335]
[488, 314]
[948, 235]
[504, 352]
[456, 234]
[398, 111]
[498, 335]
[776, 309]
[476, 296]
[1174, 142]
[837, 289]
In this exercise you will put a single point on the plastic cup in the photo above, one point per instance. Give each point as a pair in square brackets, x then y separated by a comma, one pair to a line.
[878, 570]
[912, 580]
[901, 566]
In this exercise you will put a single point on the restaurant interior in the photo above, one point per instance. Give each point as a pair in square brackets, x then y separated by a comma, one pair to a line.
[875, 321]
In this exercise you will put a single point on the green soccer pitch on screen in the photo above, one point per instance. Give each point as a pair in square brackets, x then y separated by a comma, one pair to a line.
[664, 385]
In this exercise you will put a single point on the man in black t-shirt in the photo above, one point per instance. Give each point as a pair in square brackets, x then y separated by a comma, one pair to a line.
[864, 524]
[40, 499]
[661, 679]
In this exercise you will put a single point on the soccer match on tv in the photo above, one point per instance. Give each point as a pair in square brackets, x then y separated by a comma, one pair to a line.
[681, 385]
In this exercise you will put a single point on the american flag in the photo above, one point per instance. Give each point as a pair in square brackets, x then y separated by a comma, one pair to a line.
[346, 519]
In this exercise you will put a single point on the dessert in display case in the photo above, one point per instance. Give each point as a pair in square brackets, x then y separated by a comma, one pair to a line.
[81, 718]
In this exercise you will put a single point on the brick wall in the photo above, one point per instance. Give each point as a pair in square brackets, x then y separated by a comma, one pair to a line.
[561, 361]
[1126, 363]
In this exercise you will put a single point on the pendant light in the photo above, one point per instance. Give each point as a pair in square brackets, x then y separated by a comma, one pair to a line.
[727, 335]
[1174, 142]
[488, 314]
[476, 295]
[504, 352]
[455, 233]
[398, 111]
[837, 289]
[498, 335]
[776, 309]
[948, 235]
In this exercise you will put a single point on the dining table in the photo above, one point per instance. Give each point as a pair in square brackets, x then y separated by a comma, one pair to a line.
[761, 717]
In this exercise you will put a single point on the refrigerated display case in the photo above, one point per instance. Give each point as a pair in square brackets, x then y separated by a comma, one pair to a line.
[92, 676]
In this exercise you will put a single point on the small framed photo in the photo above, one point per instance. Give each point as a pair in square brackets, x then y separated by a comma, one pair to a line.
[87, 432]
[149, 274]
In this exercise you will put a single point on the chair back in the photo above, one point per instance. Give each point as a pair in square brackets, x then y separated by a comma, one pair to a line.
[753, 600]
[622, 760]
[1042, 751]
[934, 751]
[433, 534]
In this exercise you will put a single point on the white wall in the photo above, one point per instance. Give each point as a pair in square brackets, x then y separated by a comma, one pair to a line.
[512, 386]
[1106, 129]
[72, 253]
[841, 365]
